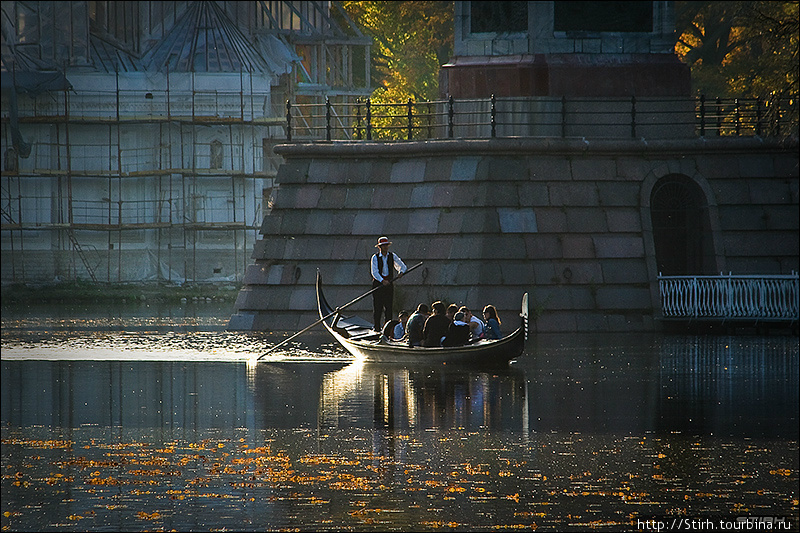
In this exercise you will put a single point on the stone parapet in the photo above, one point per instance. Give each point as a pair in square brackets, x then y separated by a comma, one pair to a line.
[566, 220]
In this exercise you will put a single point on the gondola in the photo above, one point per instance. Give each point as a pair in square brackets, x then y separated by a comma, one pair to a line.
[357, 337]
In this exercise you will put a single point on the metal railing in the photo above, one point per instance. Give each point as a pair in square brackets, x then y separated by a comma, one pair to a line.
[731, 297]
[540, 116]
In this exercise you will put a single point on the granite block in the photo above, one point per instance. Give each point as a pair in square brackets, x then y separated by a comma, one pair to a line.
[438, 169]
[422, 196]
[544, 169]
[515, 272]
[539, 246]
[756, 166]
[408, 171]
[332, 197]
[319, 171]
[579, 272]
[731, 191]
[633, 168]
[424, 221]
[344, 250]
[593, 169]
[618, 246]
[624, 194]
[623, 297]
[318, 222]
[481, 221]
[623, 220]
[433, 248]
[502, 246]
[742, 217]
[464, 169]
[782, 217]
[586, 220]
[533, 194]
[294, 221]
[369, 223]
[342, 223]
[255, 274]
[556, 321]
[293, 171]
[308, 197]
[573, 194]
[390, 197]
[274, 275]
[618, 271]
[578, 247]
[513, 220]
[712, 166]
[551, 220]
[444, 195]
[451, 221]
[396, 223]
[303, 298]
[774, 192]
[502, 194]
[504, 168]
[359, 197]
[271, 224]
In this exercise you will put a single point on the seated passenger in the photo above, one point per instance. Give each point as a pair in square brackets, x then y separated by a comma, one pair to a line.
[458, 333]
[435, 326]
[492, 323]
[415, 324]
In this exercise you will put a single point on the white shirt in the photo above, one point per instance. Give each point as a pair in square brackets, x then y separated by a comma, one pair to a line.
[479, 330]
[398, 265]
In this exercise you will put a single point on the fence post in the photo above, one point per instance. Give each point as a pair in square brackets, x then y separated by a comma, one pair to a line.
[736, 114]
[410, 120]
[494, 117]
[563, 116]
[327, 119]
[430, 114]
[358, 119]
[369, 119]
[702, 115]
[633, 117]
[758, 116]
[289, 120]
[450, 115]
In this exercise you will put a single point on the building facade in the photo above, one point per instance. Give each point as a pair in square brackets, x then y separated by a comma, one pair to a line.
[137, 139]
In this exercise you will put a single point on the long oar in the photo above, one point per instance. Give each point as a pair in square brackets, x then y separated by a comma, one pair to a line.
[337, 310]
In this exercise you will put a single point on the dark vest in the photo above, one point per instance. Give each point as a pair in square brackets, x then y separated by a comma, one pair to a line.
[391, 264]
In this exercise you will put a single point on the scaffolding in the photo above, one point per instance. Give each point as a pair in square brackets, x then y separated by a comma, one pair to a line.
[150, 165]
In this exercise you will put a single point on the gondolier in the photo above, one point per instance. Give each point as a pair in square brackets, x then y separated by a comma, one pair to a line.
[384, 265]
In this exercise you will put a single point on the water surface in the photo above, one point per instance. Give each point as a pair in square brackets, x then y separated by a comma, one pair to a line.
[135, 420]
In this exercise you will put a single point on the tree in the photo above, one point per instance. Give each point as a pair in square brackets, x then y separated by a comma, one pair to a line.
[746, 49]
[412, 40]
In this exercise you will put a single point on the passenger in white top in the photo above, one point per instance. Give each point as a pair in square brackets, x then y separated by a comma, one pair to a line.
[476, 325]
[383, 265]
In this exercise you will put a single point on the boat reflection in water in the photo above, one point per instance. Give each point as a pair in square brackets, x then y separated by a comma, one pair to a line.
[440, 397]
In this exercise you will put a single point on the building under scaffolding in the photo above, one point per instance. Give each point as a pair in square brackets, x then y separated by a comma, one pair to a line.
[137, 139]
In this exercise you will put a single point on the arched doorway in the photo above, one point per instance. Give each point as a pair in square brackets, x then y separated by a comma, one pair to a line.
[681, 228]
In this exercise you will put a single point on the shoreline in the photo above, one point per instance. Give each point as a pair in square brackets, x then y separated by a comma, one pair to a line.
[89, 292]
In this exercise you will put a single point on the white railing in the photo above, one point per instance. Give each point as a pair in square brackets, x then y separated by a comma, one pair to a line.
[730, 297]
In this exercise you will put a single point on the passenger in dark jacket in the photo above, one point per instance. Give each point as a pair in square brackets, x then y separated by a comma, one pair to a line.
[459, 332]
[415, 325]
[436, 326]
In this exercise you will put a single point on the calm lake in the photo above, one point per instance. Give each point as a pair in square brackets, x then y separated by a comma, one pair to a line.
[140, 418]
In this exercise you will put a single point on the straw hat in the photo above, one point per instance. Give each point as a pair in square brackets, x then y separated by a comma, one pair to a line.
[382, 241]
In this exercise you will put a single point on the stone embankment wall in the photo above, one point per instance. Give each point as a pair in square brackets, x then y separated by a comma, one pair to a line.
[566, 220]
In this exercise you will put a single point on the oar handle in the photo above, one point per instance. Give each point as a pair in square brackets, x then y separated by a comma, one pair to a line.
[337, 310]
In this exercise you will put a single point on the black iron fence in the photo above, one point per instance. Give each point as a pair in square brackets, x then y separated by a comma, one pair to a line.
[653, 118]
